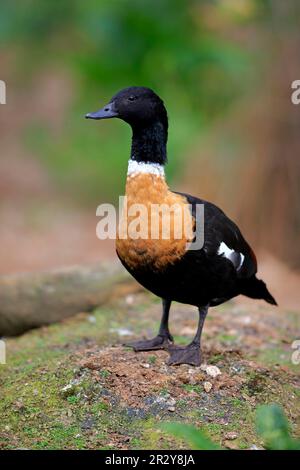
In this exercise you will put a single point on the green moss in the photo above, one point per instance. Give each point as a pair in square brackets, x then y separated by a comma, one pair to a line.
[104, 373]
[152, 359]
[152, 437]
[73, 399]
[99, 407]
[181, 339]
[216, 358]
[192, 388]
[278, 355]
[37, 414]
[227, 339]
[164, 391]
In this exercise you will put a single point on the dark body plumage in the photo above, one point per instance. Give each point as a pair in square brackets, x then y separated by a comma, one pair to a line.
[224, 267]
[203, 276]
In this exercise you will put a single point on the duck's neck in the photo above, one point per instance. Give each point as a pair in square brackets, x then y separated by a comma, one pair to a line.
[149, 144]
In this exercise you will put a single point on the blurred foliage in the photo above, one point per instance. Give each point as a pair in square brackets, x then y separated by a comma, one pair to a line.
[186, 50]
[272, 426]
[194, 437]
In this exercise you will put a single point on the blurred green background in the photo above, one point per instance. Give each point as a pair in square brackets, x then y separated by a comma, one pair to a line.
[103, 46]
[224, 69]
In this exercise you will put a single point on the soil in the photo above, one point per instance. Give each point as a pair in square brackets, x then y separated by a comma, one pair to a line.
[74, 385]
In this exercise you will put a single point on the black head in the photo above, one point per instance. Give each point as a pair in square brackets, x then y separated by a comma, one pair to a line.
[145, 112]
[138, 106]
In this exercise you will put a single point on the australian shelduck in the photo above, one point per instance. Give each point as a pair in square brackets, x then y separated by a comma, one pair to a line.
[223, 267]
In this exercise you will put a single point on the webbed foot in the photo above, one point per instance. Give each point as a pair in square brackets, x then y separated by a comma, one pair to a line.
[190, 354]
[159, 342]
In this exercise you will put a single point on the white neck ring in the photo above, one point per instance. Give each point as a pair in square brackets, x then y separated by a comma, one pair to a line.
[135, 168]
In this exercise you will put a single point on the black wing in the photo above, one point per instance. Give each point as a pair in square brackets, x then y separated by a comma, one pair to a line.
[223, 237]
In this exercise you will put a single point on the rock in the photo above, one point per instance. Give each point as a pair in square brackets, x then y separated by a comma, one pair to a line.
[231, 435]
[121, 331]
[88, 423]
[237, 368]
[212, 371]
[231, 445]
[207, 386]
[160, 399]
[68, 390]
[171, 402]
[129, 299]
[71, 387]
[245, 320]
[171, 409]
[145, 365]
[41, 298]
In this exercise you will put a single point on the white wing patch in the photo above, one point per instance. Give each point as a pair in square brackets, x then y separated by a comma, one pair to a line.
[236, 258]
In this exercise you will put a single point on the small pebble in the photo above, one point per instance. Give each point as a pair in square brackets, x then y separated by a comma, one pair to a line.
[231, 435]
[121, 331]
[212, 371]
[230, 445]
[146, 365]
[207, 386]
[171, 408]
[171, 401]
[129, 299]
[68, 390]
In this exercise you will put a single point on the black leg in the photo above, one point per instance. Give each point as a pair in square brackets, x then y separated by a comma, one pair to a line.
[163, 339]
[164, 324]
[190, 354]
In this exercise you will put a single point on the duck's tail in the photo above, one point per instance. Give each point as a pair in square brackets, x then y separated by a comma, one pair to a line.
[256, 289]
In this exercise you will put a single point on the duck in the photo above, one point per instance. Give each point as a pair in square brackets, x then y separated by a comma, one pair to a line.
[219, 267]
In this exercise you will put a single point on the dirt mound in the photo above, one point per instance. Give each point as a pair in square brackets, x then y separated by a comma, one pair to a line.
[143, 383]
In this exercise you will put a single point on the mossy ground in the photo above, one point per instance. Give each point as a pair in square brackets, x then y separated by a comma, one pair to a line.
[72, 386]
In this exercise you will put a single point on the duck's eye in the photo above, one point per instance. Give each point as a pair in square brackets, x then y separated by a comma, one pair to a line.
[131, 98]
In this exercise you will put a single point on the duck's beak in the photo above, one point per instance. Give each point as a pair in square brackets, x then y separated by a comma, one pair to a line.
[107, 112]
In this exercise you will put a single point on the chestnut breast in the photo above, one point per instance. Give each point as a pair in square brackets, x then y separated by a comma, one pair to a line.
[156, 224]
